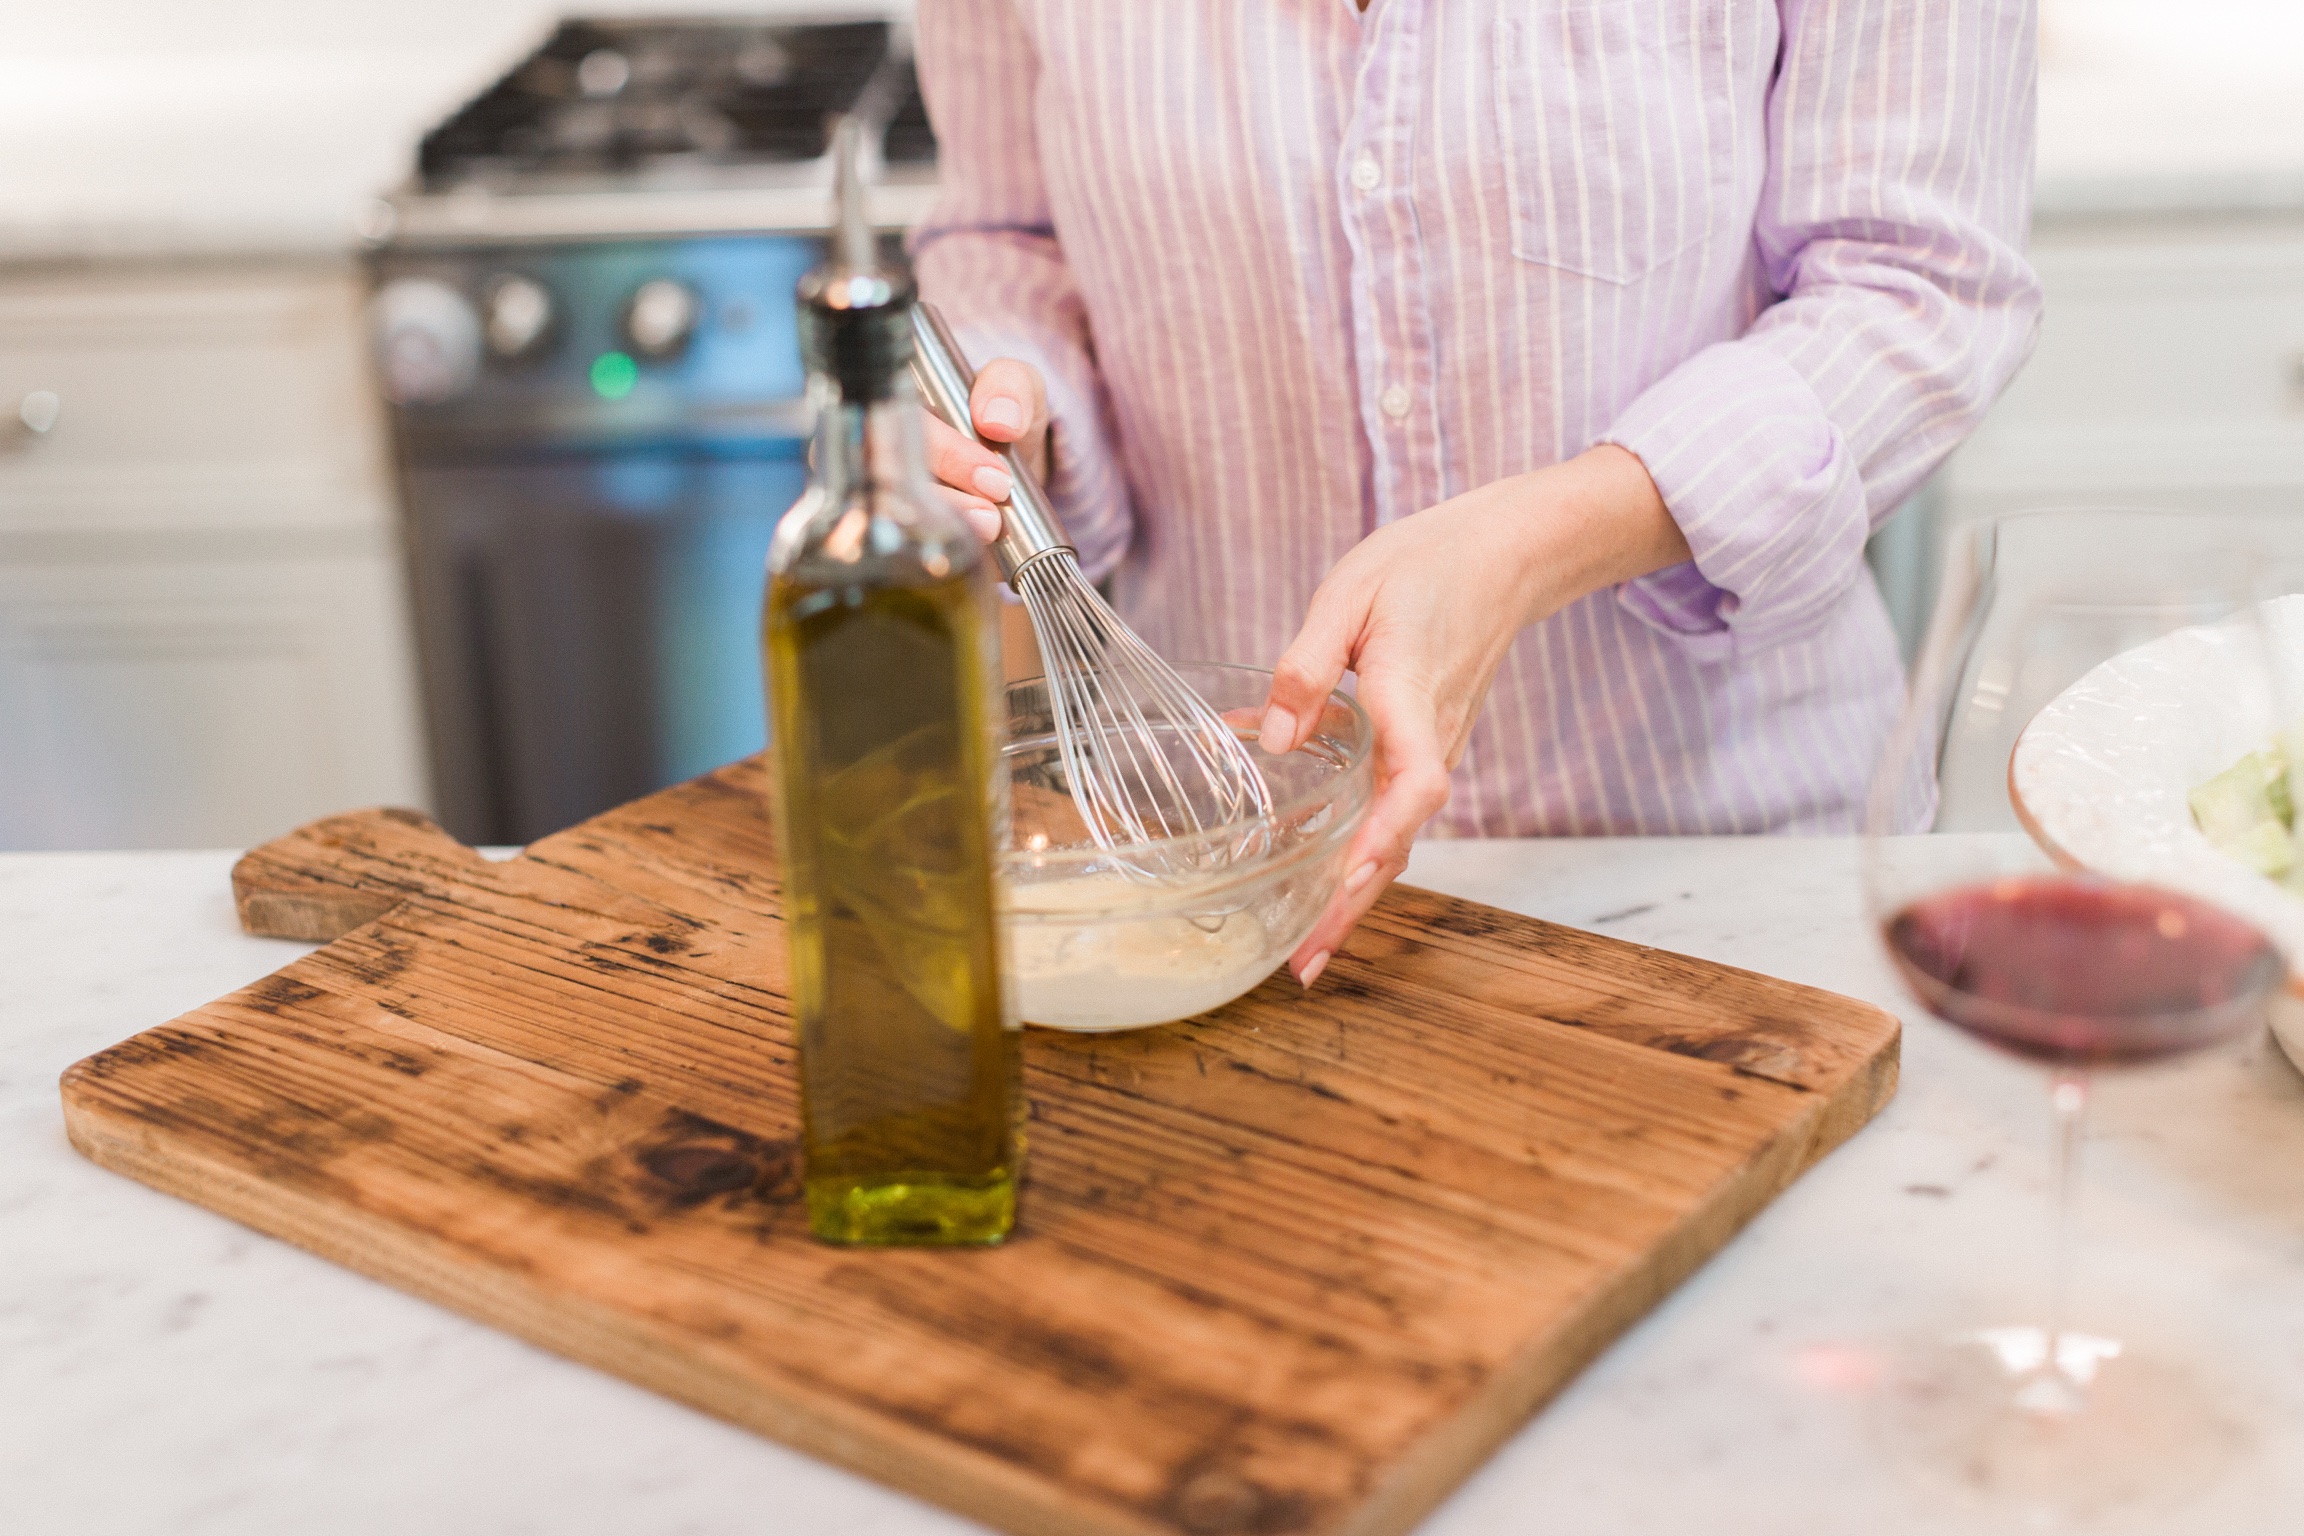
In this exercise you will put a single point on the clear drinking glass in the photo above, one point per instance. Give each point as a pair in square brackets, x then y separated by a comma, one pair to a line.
[2052, 900]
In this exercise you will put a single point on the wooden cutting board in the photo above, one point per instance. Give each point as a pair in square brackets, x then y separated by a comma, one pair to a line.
[1296, 1266]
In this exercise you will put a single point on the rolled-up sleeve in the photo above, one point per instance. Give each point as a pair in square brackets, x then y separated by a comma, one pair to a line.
[989, 257]
[1892, 221]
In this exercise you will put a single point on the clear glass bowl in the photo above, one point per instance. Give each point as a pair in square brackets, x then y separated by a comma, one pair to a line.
[1092, 948]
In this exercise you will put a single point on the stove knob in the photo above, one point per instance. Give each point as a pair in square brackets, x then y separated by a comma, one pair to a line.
[603, 72]
[661, 318]
[517, 318]
[427, 340]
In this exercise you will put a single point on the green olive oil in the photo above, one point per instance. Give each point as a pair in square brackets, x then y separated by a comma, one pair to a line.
[881, 640]
[907, 1065]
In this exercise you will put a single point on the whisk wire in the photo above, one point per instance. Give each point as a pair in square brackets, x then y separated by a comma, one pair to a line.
[1147, 758]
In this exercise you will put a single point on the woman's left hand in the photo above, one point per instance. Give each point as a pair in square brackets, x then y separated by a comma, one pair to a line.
[1423, 611]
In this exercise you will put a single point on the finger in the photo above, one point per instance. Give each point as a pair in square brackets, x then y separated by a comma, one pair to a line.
[980, 514]
[1008, 400]
[1416, 788]
[1341, 916]
[1375, 860]
[1243, 721]
[965, 464]
[1311, 667]
[1372, 865]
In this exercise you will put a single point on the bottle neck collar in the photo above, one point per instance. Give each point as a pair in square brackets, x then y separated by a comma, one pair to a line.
[859, 442]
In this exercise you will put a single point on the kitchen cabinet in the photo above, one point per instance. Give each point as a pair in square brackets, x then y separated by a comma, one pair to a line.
[2169, 374]
[203, 627]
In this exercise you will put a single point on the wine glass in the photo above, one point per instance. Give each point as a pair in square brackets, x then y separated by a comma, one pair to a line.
[2077, 971]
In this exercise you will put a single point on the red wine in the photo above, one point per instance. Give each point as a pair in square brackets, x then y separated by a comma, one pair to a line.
[2069, 969]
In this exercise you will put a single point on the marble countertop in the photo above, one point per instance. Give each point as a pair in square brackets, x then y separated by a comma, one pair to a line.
[165, 1372]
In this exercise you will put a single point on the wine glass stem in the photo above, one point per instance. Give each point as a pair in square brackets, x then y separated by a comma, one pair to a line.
[2068, 1102]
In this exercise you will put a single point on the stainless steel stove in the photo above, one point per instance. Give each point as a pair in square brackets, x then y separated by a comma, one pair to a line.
[583, 325]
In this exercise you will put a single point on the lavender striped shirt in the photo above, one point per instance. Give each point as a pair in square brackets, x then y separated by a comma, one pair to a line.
[1294, 271]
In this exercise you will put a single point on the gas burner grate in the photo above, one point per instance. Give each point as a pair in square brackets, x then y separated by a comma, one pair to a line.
[909, 140]
[608, 97]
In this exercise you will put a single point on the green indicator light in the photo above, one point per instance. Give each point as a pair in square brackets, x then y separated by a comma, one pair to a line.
[613, 375]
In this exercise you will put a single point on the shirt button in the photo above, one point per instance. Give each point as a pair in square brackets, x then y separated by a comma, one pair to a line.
[1366, 173]
[1394, 400]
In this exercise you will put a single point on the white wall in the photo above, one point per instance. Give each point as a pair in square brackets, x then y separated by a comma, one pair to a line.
[2139, 88]
[160, 127]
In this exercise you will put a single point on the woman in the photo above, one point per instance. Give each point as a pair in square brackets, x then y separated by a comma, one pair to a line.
[1543, 363]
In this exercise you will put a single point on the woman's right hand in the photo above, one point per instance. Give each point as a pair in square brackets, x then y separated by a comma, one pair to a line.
[1010, 405]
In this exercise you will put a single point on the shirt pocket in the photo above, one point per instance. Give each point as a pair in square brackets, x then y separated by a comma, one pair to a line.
[1615, 124]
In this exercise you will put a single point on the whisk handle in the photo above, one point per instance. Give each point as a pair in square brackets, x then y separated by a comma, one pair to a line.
[1029, 527]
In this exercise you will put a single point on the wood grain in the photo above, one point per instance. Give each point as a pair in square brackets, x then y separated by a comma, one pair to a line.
[1295, 1266]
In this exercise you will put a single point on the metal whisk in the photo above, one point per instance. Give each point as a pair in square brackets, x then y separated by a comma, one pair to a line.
[1146, 757]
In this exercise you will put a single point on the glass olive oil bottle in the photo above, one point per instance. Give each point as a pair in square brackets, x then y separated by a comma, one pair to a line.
[881, 632]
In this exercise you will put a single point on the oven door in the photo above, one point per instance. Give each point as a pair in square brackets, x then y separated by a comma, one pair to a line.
[590, 623]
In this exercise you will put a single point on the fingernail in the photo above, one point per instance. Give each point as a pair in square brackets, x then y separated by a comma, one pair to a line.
[1277, 731]
[986, 522]
[992, 484]
[1360, 877]
[1000, 411]
[1312, 970]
